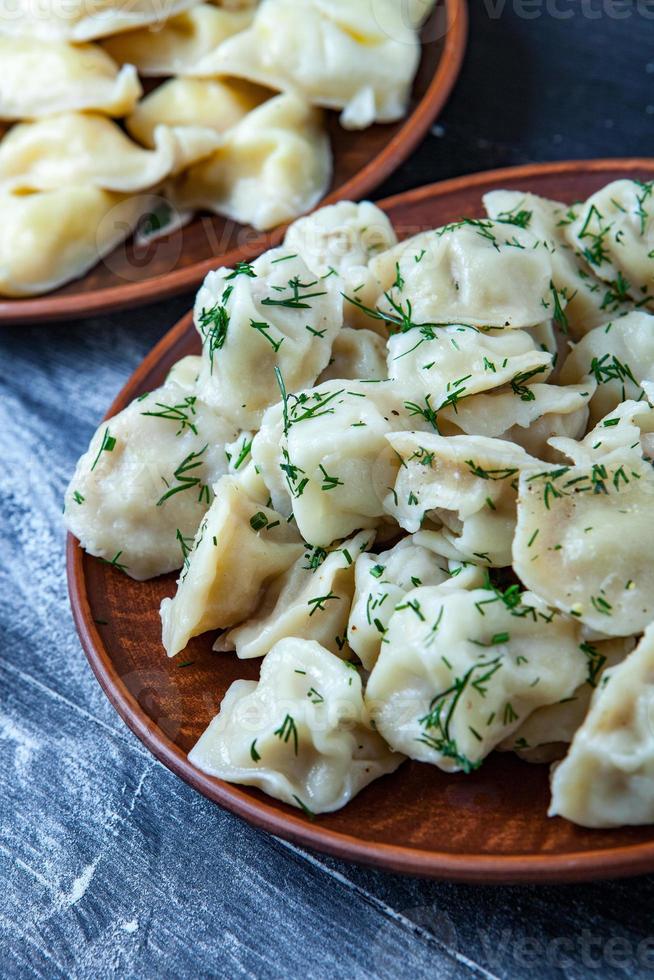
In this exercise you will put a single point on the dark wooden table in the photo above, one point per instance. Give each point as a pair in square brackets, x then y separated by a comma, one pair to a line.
[113, 867]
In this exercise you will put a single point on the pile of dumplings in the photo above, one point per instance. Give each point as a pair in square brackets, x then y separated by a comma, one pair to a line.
[416, 479]
[236, 127]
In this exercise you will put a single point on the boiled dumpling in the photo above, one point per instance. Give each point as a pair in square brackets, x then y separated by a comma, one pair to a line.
[82, 148]
[301, 734]
[272, 166]
[341, 236]
[340, 240]
[51, 237]
[468, 482]
[323, 455]
[614, 233]
[474, 271]
[460, 671]
[579, 300]
[607, 778]
[41, 78]
[240, 547]
[264, 326]
[383, 580]
[141, 489]
[207, 103]
[547, 732]
[179, 43]
[76, 20]
[445, 365]
[628, 428]
[529, 418]
[582, 540]
[310, 601]
[357, 56]
[618, 356]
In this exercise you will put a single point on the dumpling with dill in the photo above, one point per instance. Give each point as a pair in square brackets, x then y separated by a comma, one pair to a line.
[459, 671]
[529, 417]
[264, 325]
[139, 492]
[469, 483]
[473, 271]
[240, 547]
[617, 356]
[580, 300]
[302, 733]
[383, 580]
[442, 365]
[607, 777]
[613, 232]
[311, 600]
[324, 456]
[582, 539]
[547, 732]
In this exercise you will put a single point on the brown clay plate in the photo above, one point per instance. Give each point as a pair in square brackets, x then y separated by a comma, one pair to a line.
[490, 826]
[134, 275]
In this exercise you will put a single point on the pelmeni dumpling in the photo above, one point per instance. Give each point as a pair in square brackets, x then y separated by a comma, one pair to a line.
[627, 432]
[446, 364]
[582, 540]
[545, 734]
[83, 148]
[310, 601]
[341, 236]
[41, 78]
[50, 237]
[356, 354]
[141, 489]
[459, 671]
[272, 166]
[383, 580]
[264, 326]
[76, 20]
[341, 240]
[475, 271]
[178, 44]
[208, 103]
[607, 777]
[529, 417]
[301, 734]
[468, 482]
[614, 233]
[579, 300]
[240, 547]
[337, 54]
[324, 455]
[618, 355]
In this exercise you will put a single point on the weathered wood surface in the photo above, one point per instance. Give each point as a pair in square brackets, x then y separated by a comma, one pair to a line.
[112, 867]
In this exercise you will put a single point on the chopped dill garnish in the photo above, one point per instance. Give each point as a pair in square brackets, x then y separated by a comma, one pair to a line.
[181, 413]
[288, 730]
[107, 445]
[187, 482]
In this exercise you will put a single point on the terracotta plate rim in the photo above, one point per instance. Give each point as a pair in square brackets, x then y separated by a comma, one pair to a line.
[602, 863]
[108, 299]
